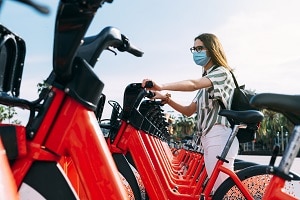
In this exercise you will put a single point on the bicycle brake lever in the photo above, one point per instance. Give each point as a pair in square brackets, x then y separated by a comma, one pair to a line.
[150, 94]
[110, 49]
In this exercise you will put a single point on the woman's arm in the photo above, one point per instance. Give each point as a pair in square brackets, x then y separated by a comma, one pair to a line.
[185, 110]
[186, 85]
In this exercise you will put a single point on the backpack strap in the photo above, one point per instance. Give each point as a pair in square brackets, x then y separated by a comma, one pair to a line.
[221, 104]
[235, 83]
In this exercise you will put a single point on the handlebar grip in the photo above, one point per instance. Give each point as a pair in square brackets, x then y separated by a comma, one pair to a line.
[151, 94]
[129, 47]
[135, 51]
[149, 84]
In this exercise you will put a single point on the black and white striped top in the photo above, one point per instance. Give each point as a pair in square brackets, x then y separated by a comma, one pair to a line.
[207, 99]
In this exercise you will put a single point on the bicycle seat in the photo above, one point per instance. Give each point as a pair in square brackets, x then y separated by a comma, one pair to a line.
[245, 116]
[288, 105]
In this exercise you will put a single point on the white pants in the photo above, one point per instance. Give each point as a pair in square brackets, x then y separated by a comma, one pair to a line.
[213, 144]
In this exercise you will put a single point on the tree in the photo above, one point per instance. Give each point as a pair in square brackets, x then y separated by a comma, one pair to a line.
[184, 126]
[272, 124]
[7, 113]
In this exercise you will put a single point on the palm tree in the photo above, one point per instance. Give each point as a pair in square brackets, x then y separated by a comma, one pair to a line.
[273, 124]
[184, 126]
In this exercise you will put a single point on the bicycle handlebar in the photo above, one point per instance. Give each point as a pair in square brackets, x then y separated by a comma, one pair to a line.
[93, 46]
[149, 84]
[40, 8]
[130, 48]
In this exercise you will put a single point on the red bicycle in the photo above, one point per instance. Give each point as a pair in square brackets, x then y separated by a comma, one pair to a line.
[138, 132]
[61, 153]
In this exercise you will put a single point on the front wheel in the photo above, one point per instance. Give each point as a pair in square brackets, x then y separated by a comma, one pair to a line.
[255, 178]
[44, 180]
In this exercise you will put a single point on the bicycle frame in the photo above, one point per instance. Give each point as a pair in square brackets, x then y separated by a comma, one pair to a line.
[63, 128]
[55, 139]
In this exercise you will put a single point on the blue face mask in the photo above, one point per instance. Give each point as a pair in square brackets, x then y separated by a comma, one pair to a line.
[201, 58]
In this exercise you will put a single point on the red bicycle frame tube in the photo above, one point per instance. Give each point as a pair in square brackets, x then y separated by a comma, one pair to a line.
[220, 168]
[70, 130]
[275, 191]
[129, 139]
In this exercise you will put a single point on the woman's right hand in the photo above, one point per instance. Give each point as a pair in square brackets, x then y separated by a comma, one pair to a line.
[156, 87]
[159, 95]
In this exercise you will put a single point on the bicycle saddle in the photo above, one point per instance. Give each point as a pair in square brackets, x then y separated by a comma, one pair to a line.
[245, 116]
[288, 105]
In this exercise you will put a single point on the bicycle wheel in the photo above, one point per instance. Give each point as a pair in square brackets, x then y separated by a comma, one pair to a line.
[255, 178]
[44, 180]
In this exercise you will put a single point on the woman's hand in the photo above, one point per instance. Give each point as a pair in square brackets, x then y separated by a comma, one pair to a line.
[165, 98]
[159, 95]
[156, 87]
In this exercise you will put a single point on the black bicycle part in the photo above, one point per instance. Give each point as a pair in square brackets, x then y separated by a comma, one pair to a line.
[100, 107]
[93, 46]
[127, 46]
[12, 56]
[288, 105]
[46, 179]
[126, 171]
[72, 21]
[149, 84]
[40, 8]
[242, 164]
[274, 154]
[115, 120]
[133, 95]
[245, 116]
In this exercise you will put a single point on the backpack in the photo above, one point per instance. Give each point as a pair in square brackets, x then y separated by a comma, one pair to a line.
[241, 101]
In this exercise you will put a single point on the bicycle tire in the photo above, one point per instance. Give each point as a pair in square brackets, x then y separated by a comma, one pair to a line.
[256, 180]
[242, 164]
[45, 181]
[131, 175]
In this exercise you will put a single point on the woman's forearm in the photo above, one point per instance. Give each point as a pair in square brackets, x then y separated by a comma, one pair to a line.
[187, 85]
[185, 110]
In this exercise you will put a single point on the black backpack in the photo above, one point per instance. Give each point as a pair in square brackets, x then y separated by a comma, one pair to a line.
[240, 101]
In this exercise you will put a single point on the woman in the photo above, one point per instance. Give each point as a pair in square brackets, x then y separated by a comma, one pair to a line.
[215, 84]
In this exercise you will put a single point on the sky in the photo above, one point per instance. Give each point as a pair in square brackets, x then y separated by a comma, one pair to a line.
[260, 38]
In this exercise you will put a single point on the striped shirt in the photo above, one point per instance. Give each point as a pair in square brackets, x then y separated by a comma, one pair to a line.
[207, 99]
